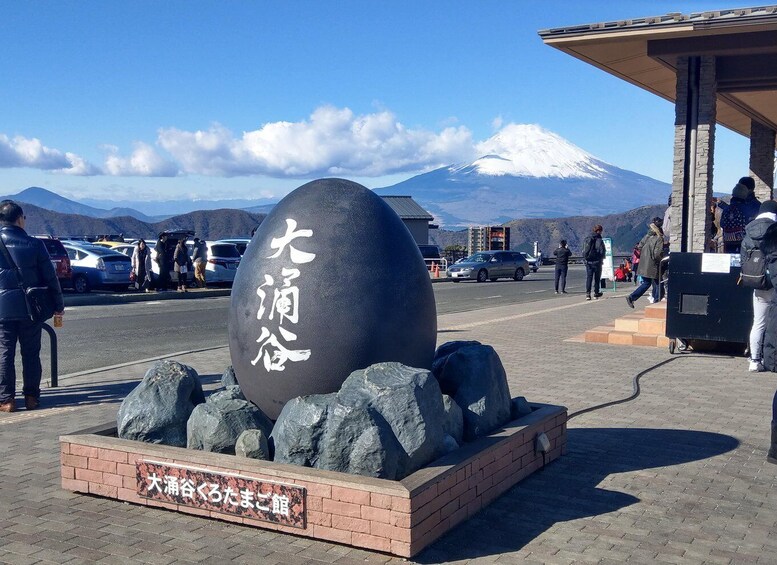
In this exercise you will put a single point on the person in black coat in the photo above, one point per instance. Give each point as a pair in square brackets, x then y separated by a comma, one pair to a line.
[163, 260]
[562, 265]
[33, 262]
[768, 247]
[594, 253]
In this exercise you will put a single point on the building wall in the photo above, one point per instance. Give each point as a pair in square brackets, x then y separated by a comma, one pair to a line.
[419, 229]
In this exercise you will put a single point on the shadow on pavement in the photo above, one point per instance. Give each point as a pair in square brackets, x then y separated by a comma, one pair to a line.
[98, 393]
[567, 488]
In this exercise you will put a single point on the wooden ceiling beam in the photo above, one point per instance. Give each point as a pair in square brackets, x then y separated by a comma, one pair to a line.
[744, 73]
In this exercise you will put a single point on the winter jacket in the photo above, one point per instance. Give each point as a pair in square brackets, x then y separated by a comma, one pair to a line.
[180, 257]
[595, 240]
[200, 252]
[768, 245]
[32, 259]
[562, 255]
[755, 231]
[146, 262]
[651, 248]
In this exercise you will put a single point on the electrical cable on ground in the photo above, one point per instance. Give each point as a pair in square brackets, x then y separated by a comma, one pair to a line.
[635, 385]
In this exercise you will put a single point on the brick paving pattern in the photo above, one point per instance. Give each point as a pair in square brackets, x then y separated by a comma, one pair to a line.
[678, 475]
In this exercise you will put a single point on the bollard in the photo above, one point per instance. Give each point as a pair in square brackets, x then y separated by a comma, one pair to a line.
[53, 348]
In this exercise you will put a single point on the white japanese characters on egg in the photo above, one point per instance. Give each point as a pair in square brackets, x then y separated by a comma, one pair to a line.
[273, 351]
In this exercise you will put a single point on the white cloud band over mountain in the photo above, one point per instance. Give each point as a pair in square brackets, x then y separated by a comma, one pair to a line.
[332, 141]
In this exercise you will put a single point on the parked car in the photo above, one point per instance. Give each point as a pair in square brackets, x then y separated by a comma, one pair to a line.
[98, 267]
[59, 258]
[429, 251]
[223, 261]
[124, 248]
[531, 260]
[490, 265]
[240, 242]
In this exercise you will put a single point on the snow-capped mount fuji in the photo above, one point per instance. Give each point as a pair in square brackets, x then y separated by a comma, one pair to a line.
[528, 172]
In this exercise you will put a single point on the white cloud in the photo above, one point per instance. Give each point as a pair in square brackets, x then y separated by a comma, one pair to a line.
[331, 141]
[30, 152]
[144, 162]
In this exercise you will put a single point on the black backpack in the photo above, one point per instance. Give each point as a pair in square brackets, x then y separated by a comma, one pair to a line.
[590, 251]
[754, 271]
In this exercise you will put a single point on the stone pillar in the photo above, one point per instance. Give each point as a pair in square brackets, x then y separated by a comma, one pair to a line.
[694, 151]
[762, 145]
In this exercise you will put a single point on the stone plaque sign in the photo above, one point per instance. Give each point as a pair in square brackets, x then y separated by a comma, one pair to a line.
[222, 492]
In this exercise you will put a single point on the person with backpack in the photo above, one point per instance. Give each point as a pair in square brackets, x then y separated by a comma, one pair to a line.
[754, 275]
[651, 250]
[593, 254]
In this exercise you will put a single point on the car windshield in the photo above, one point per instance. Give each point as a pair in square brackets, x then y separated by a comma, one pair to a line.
[479, 258]
[225, 250]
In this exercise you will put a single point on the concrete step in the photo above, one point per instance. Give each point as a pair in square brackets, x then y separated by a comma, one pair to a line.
[628, 323]
[656, 310]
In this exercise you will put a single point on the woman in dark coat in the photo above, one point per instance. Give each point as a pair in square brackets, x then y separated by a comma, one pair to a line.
[181, 264]
[651, 249]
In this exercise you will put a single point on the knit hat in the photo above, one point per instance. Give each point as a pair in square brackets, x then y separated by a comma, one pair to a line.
[740, 191]
[749, 182]
[658, 222]
[768, 206]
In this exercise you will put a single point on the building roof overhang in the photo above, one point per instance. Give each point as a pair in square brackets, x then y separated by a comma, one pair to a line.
[644, 52]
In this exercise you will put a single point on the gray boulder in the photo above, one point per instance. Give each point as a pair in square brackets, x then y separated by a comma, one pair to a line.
[157, 410]
[298, 429]
[357, 441]
[229, 393]
[229, 378]
[519, 407]
[252, 444]
[453, 425]
[408, 400]
[449, 444]
[216, 425]
[473, 375]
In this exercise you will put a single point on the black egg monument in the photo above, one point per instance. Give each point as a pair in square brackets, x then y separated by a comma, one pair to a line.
[331, 282]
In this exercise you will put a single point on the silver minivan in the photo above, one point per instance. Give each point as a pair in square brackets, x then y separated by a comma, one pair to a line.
[490, 265]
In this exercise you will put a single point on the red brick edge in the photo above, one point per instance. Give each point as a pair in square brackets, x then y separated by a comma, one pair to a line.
[398, 517]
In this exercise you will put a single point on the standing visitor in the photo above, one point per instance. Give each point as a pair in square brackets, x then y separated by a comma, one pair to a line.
[199, 259]
[593, 255]
[28, 265]
[562, 265]
[163, 262]
[181, 264]
[752, 205]
[735, 217]
[141, 266]
[762, 298]
[651, 250]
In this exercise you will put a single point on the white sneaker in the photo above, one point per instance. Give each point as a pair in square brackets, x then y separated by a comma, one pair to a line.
[756, 367]
[651, 299]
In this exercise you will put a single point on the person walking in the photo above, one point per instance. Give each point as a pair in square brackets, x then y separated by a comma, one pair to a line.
[762, 299]
[562, 265]
[199, 259]
[651, 250]
[181, 264]
[163, 261]
[32, 268]
[141, 266]
[593, 254]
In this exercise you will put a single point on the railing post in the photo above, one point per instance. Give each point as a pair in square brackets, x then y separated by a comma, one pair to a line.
[53, 352]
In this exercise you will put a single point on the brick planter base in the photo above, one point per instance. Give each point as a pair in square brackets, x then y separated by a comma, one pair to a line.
[398, 517]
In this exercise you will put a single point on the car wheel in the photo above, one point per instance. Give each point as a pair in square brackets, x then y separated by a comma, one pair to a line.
[519, 274]
[482, 275]
[80, 284]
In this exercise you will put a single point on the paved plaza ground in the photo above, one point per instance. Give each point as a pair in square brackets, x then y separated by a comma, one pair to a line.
[678, 475]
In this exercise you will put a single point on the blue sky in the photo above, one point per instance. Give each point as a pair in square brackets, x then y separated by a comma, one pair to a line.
[157, 100]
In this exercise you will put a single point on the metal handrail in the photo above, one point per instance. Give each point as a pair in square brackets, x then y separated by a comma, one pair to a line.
[53, 353]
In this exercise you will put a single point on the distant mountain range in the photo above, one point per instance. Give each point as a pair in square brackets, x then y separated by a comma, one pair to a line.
[528, 172]
[625, 229]
[210, 224]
